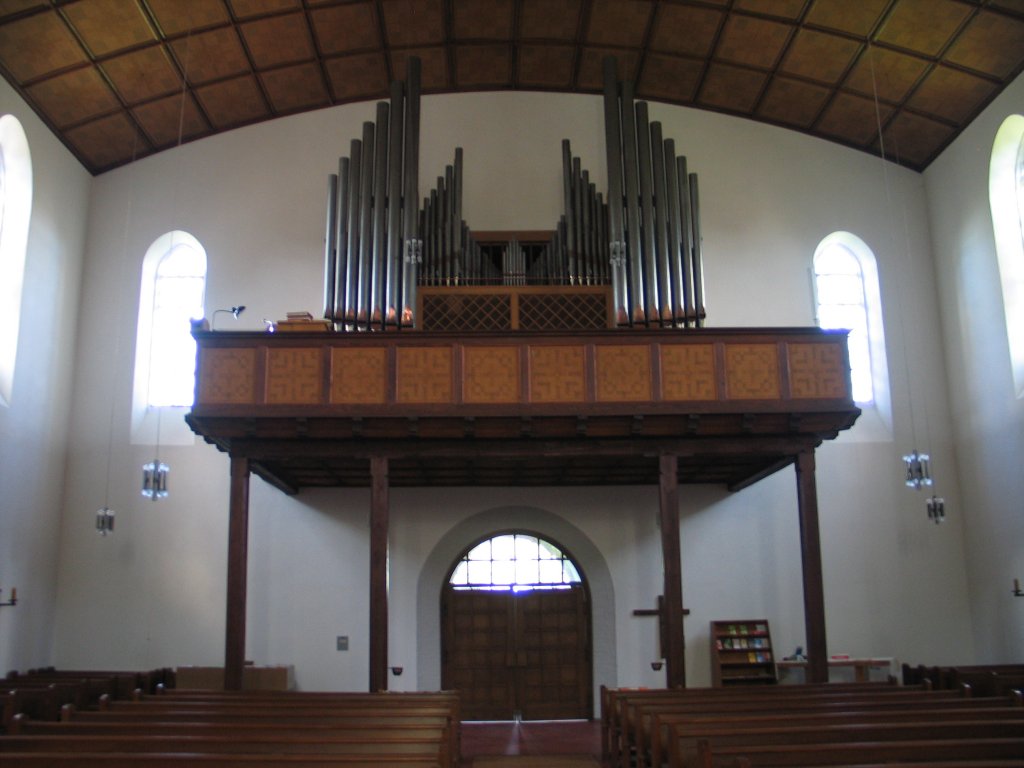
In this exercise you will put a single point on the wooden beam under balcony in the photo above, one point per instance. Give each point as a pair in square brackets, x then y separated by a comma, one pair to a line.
[581, 408]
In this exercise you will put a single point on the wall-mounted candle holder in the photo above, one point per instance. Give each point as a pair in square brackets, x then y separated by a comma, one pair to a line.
[657, 665]
[1016, 588]
[12, 600]
[396, 671]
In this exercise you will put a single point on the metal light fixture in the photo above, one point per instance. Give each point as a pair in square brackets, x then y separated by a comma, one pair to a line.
[154, 480]
[105, 521]
[916, 465]
[919, 470]
[936, 509]
[236, 311]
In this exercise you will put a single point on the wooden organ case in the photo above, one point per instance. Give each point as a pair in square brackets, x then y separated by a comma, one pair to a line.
[572, 357]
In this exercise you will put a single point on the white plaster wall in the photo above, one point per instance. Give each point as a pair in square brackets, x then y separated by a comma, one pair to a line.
[153, 594]
[987, 416]
[34, 427]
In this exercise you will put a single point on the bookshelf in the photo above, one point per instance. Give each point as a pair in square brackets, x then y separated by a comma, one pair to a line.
[741, 653]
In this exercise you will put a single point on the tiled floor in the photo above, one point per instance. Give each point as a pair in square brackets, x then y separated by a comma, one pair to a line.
[563, 737]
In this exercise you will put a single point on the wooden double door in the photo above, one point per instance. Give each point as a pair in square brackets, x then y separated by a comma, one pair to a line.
[518, 654]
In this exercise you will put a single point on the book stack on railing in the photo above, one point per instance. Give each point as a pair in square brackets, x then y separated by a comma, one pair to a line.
[301, 321]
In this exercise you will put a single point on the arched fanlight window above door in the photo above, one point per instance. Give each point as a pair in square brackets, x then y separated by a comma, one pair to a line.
[514, 562]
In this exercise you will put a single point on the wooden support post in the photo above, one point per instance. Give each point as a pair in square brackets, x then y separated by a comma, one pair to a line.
[379, 574]
[810, 553]
[238, 555]
[674, 648]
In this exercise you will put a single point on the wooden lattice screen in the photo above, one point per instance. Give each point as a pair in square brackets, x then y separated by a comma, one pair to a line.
[512, 308]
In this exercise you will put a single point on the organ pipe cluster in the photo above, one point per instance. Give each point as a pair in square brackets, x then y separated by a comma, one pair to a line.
[654, 239]
[372, 245]
[582, 235]
[643, 239]
[448, 250]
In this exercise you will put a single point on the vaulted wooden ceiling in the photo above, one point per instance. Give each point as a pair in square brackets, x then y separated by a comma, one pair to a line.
[122, 79]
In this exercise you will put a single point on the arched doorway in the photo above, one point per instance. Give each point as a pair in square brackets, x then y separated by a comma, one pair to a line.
[515, 631]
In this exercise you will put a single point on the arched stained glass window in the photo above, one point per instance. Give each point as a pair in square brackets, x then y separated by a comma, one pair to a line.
[1006, 199]
[173, 290]
[514, 562]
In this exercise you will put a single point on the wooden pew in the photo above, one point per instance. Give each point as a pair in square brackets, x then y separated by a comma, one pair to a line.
[615, 703]
[41, 693]
[339, 711]
[186, 760]
[377, 726]
[664, 722]
[170, 728]
[689, 742]
[651, 741]
[120, 684]
[631, 713]
[985, 679]
[863, 753]
[430, 747]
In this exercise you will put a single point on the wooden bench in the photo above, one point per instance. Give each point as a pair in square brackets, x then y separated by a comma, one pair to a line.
[41, 693]
[186, 760]
[615, 703]
[430, 747]
[393, 713]
[863, 753]
[630, 731]
[662, 723]
[688, 742]
[985, 679]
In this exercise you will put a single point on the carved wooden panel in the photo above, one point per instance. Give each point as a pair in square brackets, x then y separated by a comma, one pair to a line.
[227, 376]
[467, 312]
[816, 370]
[294, 375]
[359, 376]
[623, 373]
[490, 375]
[562, 311]
[557, 375]
[688, 372]
[424, 375]
[751, 371]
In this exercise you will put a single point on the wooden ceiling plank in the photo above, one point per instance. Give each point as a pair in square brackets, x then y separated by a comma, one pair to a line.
[109, 26]
[909, 51]
[38, 46]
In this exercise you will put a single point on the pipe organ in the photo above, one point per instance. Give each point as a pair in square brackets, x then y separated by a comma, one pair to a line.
[372, 247]
[640, 243]
[654, 241]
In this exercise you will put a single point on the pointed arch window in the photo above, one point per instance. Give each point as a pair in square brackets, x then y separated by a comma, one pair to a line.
[1006, 200]
[847, 297]
[172, 294]
[15, 212]
[514, 562]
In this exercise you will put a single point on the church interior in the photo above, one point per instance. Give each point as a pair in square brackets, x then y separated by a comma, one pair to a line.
[517, 365]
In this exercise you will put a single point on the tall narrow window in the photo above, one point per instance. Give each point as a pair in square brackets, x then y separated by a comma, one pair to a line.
[1006, 198]
[173, 289]
[847, 296]
[15, 212]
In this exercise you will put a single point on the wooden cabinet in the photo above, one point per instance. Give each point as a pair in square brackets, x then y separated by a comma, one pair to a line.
[741, 653]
